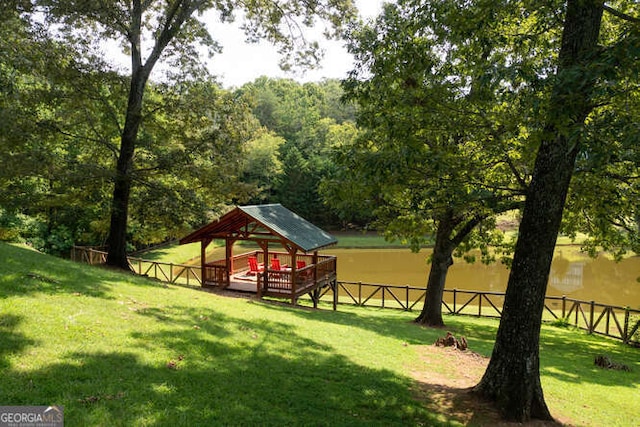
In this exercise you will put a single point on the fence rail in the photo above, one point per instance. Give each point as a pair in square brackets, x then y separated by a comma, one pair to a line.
[622, 323]
[163, 271]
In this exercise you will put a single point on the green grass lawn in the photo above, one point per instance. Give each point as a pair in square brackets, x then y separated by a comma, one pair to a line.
[179, 254]
[173, 253]
[116, 349]
[368, 240]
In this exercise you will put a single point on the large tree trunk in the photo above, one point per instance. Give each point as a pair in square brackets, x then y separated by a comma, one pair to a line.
[441, 260]
[452, 230]
[176, 14]
[117, 239]
[512, 379]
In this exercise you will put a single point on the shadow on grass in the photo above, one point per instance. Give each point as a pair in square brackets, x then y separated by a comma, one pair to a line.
[27, 272]
[465, 407]
[11, 341]
[569, 355]
[397, 324]
[566, 354]
[206, 368]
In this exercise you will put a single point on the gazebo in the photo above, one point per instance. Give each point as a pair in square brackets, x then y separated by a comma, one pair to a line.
[296, 271]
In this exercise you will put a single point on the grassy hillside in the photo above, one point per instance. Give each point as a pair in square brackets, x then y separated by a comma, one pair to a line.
[116, 349]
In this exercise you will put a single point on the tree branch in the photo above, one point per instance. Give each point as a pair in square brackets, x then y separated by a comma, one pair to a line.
[621, 15]
[466, 229]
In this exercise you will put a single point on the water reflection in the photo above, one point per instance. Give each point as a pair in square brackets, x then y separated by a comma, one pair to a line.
[572, 274]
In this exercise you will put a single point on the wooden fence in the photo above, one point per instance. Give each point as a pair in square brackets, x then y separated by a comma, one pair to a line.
[166, 272]
[622, 323]
[617, 322]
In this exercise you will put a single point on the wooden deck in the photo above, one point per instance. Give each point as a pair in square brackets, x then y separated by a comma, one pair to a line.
[289, 282]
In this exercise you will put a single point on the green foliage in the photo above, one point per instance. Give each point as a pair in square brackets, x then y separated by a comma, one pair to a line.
[295, 188]
[171, 32]
[605, 193]
[285, 107]
[10, 226]
[57, 163]
[189, 159]
[443, 140]
[262, 165]
[345, 189]
[60, 147]
[35, 231]
[561, 322]
[51, 174]
[311, 119]
[65, 117]
[634, 322]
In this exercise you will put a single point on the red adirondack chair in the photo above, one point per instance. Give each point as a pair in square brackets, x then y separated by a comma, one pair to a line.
[305, 275]
[275, 264]
[254, 267]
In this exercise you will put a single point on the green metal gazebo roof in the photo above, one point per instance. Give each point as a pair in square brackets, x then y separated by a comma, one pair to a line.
[271, 222]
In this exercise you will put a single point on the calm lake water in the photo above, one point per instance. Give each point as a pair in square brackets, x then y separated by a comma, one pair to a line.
[574, 275]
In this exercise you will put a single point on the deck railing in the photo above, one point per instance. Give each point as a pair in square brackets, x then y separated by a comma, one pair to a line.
[622, 323]
[283, 280]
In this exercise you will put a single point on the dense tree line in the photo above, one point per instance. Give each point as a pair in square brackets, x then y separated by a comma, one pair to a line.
[310, 119]
[200, 148]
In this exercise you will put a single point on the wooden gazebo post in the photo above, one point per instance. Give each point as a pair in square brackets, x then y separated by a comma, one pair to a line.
[203, 259]
[294, 266]
[228, 254]
[264, 245]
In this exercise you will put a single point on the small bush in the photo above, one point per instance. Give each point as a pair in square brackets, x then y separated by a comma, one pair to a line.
[561, 322]
[10, 225]
[633, 322]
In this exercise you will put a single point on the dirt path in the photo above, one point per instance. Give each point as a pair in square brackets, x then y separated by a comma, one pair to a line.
[448, 394]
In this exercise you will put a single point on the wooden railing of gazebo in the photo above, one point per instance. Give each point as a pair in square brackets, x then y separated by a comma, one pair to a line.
[301, 281]
[288, 282]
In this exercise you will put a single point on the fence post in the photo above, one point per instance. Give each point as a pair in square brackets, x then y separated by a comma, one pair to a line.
[625, 334]
[359, 293]
[480, 305]
[170, 272]
[592, 306]
[455, 290]
[384, 288]
[407, 295]
[564, 306]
